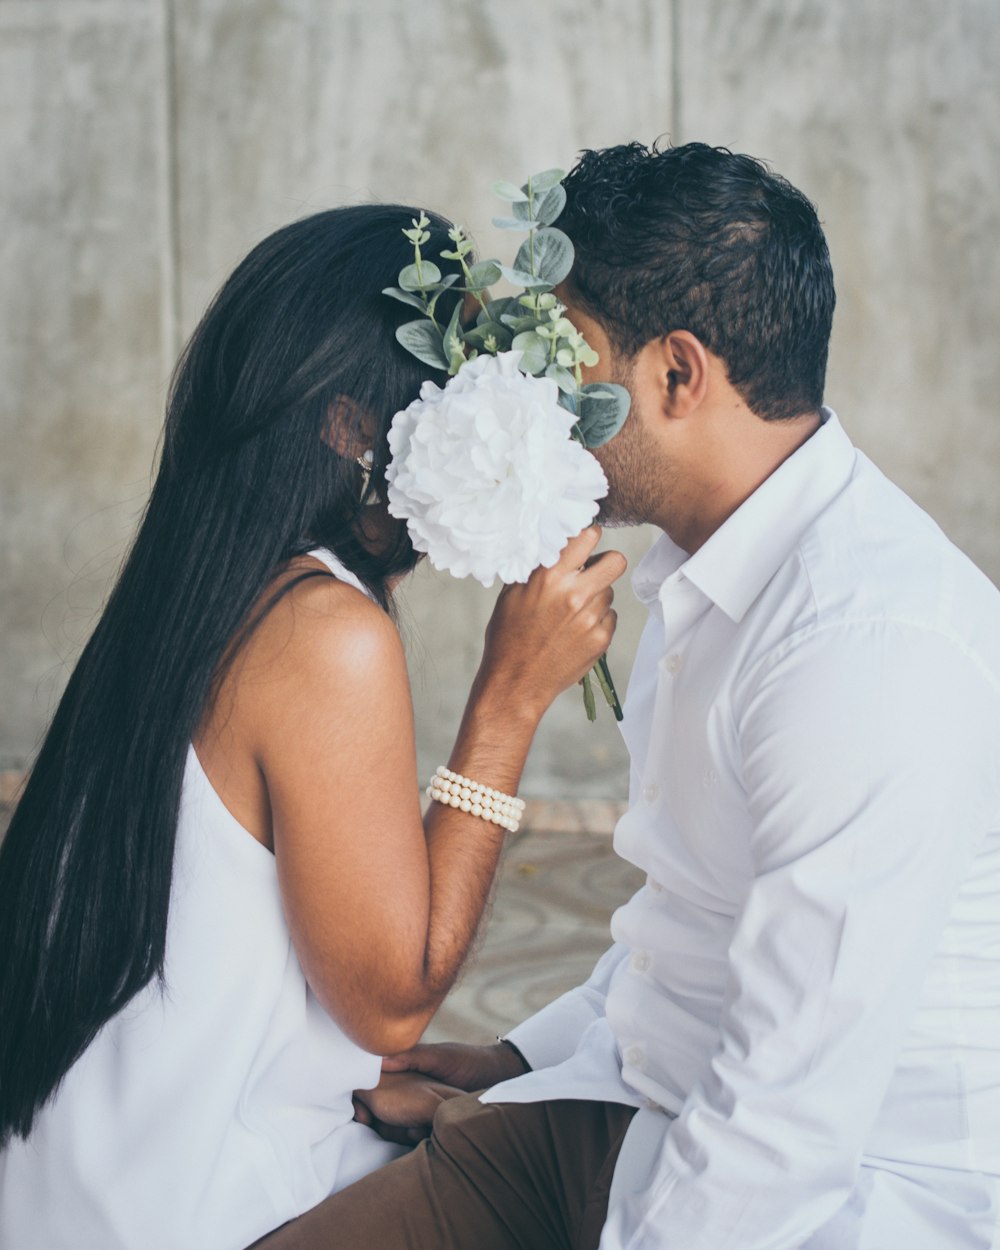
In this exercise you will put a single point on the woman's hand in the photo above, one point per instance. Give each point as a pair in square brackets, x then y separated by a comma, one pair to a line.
[401, 1107]
[546, 634]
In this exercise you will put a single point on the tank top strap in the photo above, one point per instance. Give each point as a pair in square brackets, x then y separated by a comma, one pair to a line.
[339, 569]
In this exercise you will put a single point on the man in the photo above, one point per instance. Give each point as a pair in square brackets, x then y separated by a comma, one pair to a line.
[795, 1040]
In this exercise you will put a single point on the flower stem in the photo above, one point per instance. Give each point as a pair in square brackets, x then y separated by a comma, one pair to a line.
[468, 278]
[605, 681]
[588, 698]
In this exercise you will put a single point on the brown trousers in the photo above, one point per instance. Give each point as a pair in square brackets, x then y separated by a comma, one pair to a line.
[492, 1176]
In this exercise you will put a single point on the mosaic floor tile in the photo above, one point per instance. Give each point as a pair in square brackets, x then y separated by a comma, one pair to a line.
[549, 926]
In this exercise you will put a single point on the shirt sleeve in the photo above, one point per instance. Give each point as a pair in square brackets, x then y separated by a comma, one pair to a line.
[870, 764]
[551, 1035]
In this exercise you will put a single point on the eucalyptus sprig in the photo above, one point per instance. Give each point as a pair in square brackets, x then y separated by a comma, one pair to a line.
[533, 323]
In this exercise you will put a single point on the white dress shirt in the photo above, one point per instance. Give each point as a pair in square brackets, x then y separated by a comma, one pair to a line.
[804, 998]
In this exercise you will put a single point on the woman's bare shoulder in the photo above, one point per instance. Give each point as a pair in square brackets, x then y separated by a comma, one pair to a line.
[320, 652]
[321, 625]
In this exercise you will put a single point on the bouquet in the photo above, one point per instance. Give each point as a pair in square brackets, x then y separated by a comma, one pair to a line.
[493, 473]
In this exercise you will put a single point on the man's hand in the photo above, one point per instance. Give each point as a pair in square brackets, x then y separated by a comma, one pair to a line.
[460, 1065]
[401, 1107]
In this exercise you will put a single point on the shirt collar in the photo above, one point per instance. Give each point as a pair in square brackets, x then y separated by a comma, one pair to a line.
[744, 553]
[659, 563]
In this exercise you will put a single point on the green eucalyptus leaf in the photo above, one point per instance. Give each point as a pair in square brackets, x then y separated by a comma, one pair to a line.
[602, 409]
[535, 352]
[453, 341]
[553, 255]
[604, 390]
[542, 182]
[423, 340]
[478, 335]
[483, 274]
[519, 325]
[568, 401]
[519, 276]
[525, 258]
[550, 205]
[508, 191]
[565, 380]
[430, 273]
[439, 289]
[404, 297]
[496, 308]
[513, 223]
[408, 280]
[462, 244]
[451, 330]
[412, 279]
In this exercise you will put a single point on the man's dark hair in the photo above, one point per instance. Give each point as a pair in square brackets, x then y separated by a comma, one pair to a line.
[702, 239]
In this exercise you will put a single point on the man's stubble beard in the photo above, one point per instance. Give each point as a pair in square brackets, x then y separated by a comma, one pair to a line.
[637, 482]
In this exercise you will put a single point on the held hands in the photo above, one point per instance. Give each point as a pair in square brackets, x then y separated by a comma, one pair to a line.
[545, 634]
[401, 1107]
[415, 1083]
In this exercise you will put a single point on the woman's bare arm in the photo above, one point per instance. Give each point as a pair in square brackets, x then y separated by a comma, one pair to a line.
[383, 907]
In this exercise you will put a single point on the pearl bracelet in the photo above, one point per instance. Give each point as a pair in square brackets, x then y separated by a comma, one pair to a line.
[454, 790]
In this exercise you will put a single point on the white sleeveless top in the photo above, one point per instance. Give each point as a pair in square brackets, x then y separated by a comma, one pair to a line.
[204, 1115]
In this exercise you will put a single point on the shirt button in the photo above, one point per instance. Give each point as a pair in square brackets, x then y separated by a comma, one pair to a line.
[640, 961]
[674, 664]
[651, 793]
[634, 1056]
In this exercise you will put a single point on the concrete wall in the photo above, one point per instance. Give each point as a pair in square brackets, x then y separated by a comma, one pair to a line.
[146, 144]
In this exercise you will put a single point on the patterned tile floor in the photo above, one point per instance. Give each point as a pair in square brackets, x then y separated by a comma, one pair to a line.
[559, 884]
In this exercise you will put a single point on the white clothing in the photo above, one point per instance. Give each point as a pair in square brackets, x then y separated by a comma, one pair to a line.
[206, 1114]
[804, 998]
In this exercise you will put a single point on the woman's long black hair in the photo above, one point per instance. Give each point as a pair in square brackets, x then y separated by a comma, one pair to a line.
[247, 480]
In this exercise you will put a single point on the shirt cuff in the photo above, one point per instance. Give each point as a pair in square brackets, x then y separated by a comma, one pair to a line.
[551, 1035]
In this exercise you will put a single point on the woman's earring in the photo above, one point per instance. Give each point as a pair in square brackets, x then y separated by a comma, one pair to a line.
[365, 463]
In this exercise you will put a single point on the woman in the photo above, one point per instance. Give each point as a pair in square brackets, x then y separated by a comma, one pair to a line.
[218, 902]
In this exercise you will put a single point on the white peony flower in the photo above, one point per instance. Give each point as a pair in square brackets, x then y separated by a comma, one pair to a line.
[487, 475]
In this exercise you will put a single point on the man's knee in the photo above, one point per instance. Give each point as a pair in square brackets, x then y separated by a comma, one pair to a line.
[459, 1119]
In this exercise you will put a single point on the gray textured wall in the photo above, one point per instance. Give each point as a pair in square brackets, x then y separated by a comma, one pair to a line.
[146, 144]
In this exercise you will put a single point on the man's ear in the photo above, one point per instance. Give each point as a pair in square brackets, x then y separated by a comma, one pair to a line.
[348, 428]
[682, 367]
